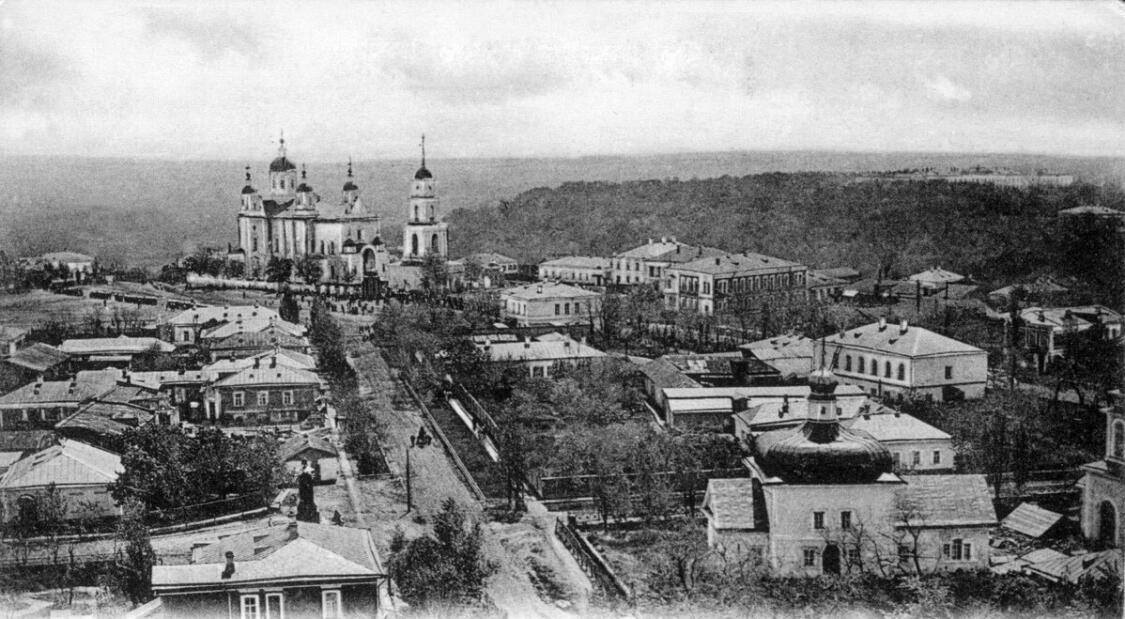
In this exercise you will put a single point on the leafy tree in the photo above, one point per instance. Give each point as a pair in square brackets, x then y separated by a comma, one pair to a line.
[309, 269]
[134, 556]
[288, 308]
[435, 272]
[234, 269]
[279, 269]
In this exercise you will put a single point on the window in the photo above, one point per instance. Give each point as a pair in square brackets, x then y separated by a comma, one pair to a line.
[859, 364]
[180, 396]
[818, 520]
[917, 458]
[1119, 440]
[887, 369]
[263, 398]
[331, 605]
[249, 606]
[566, 308]
[810, 557]
[948, 372]
[874, 367]
[845, 520]
[239, 399]
[957, 550]
[853, 555]
[275, 606]
[556, 309]
[902, 371]
[937, 456]
[287, 398]
[847, 363]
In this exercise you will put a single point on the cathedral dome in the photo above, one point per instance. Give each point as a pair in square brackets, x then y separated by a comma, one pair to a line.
[303, 188]
[823, 452]
[248, 190]
[422, 174]
[350, 186]
[282, 164]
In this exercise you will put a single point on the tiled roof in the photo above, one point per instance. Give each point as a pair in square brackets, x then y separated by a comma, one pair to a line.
[546, 290]
[915, 342]
[582, 262]
[269, 376]
[733, 264]
[297, 550]
[730, 503]
[154, 380]
[687, 253]
[664, 374]
[38, 357]
[540, 351]
[946, 500]
[1031, 520]
[204, 314]
[287, 358]
[110, 345]
[301, 443]
[69, 463]
[888, 425]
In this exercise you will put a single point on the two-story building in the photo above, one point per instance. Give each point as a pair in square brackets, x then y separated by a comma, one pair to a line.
[550, 303]
[1044, 331]
[586, 270]
[735, 282]
[542, 357]
[898, 361]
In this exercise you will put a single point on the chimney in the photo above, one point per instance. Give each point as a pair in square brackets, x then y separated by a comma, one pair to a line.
[717, 261]
[257, 362]
[539, 289]
[527, 341]
[903, 326]
[882, 323]
[784, 404]
[228, 571]
[677, 249]
[273, 362]
[583, 340]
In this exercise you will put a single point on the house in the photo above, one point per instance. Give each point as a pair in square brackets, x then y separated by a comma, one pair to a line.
[726, 369]
[660, 374]
[267, 394]
[1044, 331]
[11, 339]
[250, 344]
[791, 355]
[900, 361]
[80, 472]
[76, 267]
[39, 359]
[17, 444]
[915, 445]
[823, 499]
[42, 404]
[102, 423]
[549, 303]
[118, 351]
[313, 451]
[1042, 290]
[297, 569]
[186, 326]
[733, 282]
[542, 357]
[825, 288]
[1103, 485]
[587, 270]
[648, 263]
[846, 274]
[936, 278]
[492, 261]
[253, 325]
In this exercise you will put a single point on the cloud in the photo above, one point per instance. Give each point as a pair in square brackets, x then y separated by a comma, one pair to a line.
[212, 35]
[29, 75]
[943, 90]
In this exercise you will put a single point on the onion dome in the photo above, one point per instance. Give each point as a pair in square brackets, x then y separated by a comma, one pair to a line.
[823, 382]
[303, 187]
[349, 185]
[281, 163]
[820, 452]
[422, 173]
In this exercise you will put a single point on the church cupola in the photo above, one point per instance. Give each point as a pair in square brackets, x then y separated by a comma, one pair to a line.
[304, 191]
[351, 190]
[423, 197]
[249, 194]
[283, 173]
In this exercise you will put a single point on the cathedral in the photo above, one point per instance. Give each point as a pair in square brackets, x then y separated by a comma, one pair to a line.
[291, 220]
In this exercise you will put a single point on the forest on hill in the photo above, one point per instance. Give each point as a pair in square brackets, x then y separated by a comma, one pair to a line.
[820, 219]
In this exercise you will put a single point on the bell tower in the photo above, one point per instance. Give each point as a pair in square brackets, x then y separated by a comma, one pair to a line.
[423, 233]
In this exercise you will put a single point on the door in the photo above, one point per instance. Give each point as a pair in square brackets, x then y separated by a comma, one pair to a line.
[1107, 525]
[831, 559]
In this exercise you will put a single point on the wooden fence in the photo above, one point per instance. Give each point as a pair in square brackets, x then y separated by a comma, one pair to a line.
[592, 562]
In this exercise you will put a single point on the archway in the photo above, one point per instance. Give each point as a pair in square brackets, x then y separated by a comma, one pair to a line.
[1107, 525]
[434, 247]
[369, 260]
[831, 559]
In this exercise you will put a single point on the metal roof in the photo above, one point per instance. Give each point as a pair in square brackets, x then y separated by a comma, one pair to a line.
[1031, 520]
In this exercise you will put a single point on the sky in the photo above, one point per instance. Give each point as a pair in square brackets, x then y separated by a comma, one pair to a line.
[220, 80]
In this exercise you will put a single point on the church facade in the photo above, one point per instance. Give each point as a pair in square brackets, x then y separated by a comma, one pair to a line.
[290, 220]
[1103, 487]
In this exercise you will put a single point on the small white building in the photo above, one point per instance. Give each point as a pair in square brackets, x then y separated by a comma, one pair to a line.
[186, 327]
[310, 451]
[549, 303]
[915, 445]
[80, 473]
[936, 278]
[587, 270]
[899, 361]
[542, 357]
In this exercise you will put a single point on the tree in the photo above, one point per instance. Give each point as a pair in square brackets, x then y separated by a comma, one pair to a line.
[435, 272]
[309, 269]
[279, 269]
[288, 308]
[234, 269]
[134, 556]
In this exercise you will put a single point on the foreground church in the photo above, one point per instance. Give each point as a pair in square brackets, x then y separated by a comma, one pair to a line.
[289, 219]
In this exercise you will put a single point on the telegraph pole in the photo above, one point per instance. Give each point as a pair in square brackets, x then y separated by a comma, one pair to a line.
[409, 493]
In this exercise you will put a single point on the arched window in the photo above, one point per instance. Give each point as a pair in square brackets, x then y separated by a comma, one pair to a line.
[887, 369]
[859, 364]
[415, 213]
[434, 247]
[874, 367]
[847, 363]
[1119, 440]
[902, 371]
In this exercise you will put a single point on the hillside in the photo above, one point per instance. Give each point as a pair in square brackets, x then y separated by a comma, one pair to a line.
[820, 219]
[148, 212]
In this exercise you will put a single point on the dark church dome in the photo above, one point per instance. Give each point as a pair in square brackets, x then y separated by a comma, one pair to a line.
[282, 164]
[350, 186]
[303, 188]
[823, 452]
[422, 174]
[248, 190]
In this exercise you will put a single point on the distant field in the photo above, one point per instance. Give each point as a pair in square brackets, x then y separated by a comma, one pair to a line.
[146, 213]
[33, 308]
